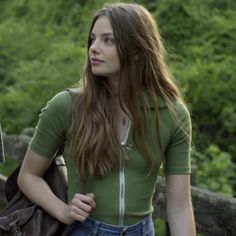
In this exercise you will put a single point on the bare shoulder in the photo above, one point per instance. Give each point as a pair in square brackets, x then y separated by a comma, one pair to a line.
[178, 183]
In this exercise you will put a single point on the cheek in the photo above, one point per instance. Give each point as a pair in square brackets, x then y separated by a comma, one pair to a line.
[115, 58]
[112, 52]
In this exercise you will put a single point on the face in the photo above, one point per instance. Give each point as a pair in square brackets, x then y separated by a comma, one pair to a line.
[103, 53]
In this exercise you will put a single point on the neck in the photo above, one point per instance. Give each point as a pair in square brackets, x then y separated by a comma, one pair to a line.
[114, 85]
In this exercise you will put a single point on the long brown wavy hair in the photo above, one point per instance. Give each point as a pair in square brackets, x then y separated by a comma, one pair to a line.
[143, 76]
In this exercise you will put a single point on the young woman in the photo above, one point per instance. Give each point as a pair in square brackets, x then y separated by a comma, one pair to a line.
[126, 120]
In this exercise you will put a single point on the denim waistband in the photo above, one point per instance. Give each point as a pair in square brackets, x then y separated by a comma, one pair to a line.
[139, 228]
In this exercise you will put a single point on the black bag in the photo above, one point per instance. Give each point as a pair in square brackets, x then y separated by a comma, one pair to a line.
[21, 217]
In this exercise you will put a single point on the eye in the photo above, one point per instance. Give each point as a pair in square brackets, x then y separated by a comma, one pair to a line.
[108, 40]
[92, 39]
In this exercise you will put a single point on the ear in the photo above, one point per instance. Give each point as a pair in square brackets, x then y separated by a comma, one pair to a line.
[136, 57]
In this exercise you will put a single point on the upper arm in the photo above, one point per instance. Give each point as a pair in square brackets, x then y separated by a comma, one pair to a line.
[179, 207]
[178, 190]
[34, 164]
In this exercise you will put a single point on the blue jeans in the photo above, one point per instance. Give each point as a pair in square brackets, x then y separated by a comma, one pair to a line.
[91, 227]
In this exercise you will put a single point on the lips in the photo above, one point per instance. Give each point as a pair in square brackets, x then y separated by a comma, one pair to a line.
[95, 61]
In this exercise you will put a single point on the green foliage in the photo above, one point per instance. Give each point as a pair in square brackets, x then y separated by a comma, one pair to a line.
[42, 51]
[214, 170]
[8, 166]
[159, 226]
[35, 64]
[210, 88]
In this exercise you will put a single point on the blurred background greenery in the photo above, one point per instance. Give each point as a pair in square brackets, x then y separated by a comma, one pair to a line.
[43, 48]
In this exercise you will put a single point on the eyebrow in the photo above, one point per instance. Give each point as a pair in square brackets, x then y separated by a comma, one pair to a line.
[103, 34]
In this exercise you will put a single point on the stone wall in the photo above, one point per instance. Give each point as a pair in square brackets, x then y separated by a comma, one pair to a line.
[15, 146]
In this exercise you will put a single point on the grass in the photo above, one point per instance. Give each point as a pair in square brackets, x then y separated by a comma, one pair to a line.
[159, 226]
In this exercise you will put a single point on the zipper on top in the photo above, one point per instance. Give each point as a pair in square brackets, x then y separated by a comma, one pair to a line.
[122, 180]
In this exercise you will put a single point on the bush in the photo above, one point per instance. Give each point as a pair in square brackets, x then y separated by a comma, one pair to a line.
[214, 170]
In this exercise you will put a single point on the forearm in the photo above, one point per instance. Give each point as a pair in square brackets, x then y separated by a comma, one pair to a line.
[181, 220]
[38, 191]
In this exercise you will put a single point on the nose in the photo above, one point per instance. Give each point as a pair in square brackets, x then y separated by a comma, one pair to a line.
[94, 47]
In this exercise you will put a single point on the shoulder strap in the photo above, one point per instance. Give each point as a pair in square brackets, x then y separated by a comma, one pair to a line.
[11, 186]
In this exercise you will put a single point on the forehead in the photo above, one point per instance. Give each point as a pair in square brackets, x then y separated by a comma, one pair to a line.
[102, 25]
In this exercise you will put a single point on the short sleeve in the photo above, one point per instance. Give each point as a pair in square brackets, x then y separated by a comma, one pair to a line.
[177, 154]
[53, 124]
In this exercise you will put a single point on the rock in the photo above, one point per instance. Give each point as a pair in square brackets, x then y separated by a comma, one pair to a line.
[15, 146]
[28, 131]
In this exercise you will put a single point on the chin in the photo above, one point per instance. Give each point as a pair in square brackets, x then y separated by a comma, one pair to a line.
[98, 73]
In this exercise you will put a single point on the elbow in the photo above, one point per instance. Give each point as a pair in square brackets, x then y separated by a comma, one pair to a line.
[20, 179]
[177, 214]
[179, 206]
